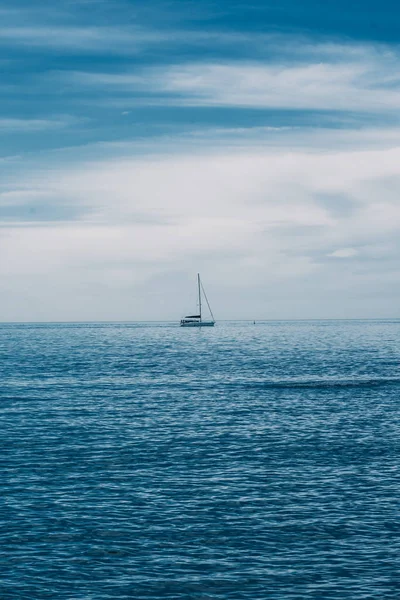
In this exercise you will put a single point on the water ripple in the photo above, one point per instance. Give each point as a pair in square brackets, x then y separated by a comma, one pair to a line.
[143, 461]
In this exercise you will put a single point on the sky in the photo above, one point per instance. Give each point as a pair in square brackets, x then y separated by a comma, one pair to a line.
[257, 143]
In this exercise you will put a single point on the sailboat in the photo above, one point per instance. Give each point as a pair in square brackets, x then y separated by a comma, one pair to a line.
[197, 320]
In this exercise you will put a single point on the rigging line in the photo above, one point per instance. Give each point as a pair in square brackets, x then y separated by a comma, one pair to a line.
[208, 304]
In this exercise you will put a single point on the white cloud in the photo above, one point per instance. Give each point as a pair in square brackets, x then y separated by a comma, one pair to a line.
[121, 39]
[344, 253]
[261, 224]
[34, 125]
[325, 77]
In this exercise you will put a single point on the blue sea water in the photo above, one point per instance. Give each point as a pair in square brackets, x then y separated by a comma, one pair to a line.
[246, 461]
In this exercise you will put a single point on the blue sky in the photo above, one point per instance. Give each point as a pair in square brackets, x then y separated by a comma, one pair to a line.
[255, 142]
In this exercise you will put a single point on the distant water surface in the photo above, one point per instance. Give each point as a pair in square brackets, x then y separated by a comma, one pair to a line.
[146, 461]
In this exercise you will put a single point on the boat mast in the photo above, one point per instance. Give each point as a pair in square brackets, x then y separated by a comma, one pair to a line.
[199, 286]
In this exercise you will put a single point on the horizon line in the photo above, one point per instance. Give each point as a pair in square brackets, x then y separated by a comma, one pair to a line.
[217, 321]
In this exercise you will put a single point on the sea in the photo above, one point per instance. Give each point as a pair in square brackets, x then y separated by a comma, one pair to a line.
[145, 461]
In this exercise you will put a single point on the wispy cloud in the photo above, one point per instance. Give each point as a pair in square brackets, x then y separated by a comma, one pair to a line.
[344, 253]
[330, 77]
[120, 39]
[36, 125]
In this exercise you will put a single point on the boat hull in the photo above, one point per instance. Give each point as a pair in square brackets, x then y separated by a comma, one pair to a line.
[198, 324]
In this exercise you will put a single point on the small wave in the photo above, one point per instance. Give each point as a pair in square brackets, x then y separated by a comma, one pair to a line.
[333, 382]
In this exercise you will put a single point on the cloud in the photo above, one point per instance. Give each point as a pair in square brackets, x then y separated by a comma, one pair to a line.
[121, 39]
[281, 220]
[261, 224]
[344, 253]
[327, 77]
[35, 125]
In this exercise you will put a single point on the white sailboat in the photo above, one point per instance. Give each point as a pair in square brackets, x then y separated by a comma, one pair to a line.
[197, 320]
